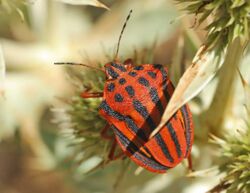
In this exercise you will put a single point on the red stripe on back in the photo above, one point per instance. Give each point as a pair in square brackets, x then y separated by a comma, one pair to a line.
[157, 152]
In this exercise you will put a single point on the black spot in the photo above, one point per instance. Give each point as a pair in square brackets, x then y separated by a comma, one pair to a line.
[165, 85]
[155, 98]
[166, 94]
[134, 150]
[130, 90]
[151, 123]
[130, 146]
[129, 121]
[112, 73]
[132, 73]
[118, 98]
[152, 74]
[111, 87]
[164, 74]
[142, 110]
[138, 68]
[154, 95]
[157, 66]
[107, 109]
[118, 66]
[143, 81]
[122, 81]
[131, 124]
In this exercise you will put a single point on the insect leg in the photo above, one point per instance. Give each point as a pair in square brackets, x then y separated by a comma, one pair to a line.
[190, 165]
[104, 134]
[112, 155]
[87, 94]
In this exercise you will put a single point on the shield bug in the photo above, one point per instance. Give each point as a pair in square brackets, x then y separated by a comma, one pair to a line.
[133, 101]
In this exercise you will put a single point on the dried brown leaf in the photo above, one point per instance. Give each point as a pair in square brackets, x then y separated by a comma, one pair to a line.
[94, 3]
[196, 77]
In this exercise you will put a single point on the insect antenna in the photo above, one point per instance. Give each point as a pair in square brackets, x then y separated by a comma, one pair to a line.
[79, 64]
[120, 37]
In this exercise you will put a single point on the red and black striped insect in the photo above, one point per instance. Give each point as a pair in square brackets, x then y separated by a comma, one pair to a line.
[134, 99]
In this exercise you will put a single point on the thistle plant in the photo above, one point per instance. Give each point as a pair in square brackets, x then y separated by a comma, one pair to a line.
[235, 151]
[226, 20]
[81, 122]
[227, 24]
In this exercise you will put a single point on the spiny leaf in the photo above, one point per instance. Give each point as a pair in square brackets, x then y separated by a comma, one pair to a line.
[94, 3]
[228, 19]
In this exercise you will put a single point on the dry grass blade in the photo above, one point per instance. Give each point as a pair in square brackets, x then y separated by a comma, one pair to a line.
[204, 173]
[2, 71]
[94, 3]
[246, 90]
[196, 77]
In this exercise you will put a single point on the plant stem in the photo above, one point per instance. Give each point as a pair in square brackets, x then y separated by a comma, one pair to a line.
[216, 114]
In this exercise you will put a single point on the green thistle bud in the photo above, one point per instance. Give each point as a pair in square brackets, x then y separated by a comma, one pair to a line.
[236, 168]
[229, 19]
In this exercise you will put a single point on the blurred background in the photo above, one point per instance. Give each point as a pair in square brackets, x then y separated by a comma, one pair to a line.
[41, 148]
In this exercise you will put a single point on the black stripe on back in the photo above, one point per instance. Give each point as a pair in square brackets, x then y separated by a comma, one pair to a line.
[175, 139]
[129, 145]
[166, 94]
[119, 67]
[142, 110]
[164, 83]
[163, 146]
[158, 66]
[139, 132]
[129, 122]
[187, 128]
[107, 109]
[163, 72]
[132, 149]
[156, 100]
